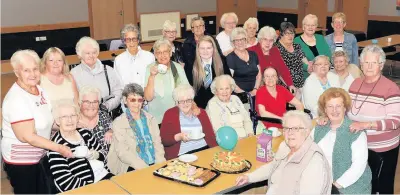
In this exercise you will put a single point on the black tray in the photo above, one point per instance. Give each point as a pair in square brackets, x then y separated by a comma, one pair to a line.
[248, 167]
[217, 174]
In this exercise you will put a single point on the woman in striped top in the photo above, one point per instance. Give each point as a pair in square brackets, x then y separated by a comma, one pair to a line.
[87, 166]
[376, 109]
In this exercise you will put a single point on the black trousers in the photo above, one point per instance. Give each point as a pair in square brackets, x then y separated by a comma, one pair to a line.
[383, 167]
[25, 179]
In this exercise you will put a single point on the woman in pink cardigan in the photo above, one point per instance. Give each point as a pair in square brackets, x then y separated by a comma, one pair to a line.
[180, 125]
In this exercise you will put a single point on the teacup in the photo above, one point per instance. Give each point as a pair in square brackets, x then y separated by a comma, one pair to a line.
[81, 151]
[162, 68]
[195, 134]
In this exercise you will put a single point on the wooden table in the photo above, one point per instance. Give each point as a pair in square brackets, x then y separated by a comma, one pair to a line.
[144, 182]
[101, 187]
[383, 41]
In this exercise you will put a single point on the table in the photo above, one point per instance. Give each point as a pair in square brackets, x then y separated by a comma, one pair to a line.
[144, 182]
[101, 187]
[382, 41]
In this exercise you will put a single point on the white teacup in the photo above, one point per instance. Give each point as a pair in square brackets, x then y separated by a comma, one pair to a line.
[162, 68]
[195, 134]
[81, 151]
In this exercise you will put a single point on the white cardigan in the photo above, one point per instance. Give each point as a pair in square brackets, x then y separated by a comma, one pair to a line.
[312, 89]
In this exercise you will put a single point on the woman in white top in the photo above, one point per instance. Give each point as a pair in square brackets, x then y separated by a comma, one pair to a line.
[347, 72]
[131, 65]
[55, 78]
[319, 81]
[228, 22]
[27, 123]
[225, 109]
[251, 27]
[346, 152]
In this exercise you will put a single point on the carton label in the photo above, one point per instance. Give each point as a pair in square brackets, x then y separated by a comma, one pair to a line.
[260, 152]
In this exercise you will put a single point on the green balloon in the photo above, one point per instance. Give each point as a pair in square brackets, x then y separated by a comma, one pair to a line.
[227, 137]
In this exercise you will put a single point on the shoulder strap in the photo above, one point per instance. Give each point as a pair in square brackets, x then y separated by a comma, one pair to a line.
[108, 81]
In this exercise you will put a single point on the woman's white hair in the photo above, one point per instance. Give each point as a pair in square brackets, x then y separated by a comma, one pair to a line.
[310, 17]
[236, 32]
[86, 41]
[160, 42]
[220, 78]
[297, 114]
[267, 32]
[130, 28]
[373, 49]
[88, 89]
[63, 103]
[249, 21]
[20, 57]
[225, 16]
[320, 57]
[183, 91]
[169, 25]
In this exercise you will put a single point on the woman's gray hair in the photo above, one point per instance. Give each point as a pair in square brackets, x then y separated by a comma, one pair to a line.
[321, 57]
[87, 89]
[169, 25]
[198, 18]
[286, 26]
[373, 49]
[249, 21]
[267, 32]
[131, 89]
[160, 42]
[236, 32]
[63, 103]
[310, 17]
[84, 41]
[218, 79]
[20, 57]
[225, 16]
[130, 28]
[182, 91]
[305, 118]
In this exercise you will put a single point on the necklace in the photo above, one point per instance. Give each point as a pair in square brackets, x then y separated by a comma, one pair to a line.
[362, 102]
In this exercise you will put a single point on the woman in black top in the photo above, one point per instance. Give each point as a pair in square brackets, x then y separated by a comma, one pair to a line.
[243, 64]
[207, 65]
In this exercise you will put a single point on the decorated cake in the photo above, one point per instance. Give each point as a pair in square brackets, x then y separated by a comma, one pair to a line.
[228, 161]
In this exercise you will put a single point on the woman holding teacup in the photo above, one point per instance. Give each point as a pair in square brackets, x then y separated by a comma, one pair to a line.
[161, 79]
[89, 162]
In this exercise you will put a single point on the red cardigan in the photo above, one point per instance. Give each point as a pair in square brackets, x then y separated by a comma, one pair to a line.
[275, 60]
[170, 126]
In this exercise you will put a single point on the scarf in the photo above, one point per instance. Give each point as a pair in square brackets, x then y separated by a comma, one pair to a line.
[144, 141]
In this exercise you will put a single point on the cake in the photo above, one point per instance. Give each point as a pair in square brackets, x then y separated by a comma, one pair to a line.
[228, 161]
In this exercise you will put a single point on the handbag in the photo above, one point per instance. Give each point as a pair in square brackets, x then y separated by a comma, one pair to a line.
[243, 97]
[116, 111]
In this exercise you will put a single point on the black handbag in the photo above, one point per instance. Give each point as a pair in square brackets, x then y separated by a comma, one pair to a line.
[244, 98]
[116, 111]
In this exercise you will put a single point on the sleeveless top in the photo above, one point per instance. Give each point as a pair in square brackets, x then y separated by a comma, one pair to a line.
[57, 92]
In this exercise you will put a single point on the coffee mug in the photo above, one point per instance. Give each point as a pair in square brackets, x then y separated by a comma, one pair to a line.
[162, 68]
[81, 151]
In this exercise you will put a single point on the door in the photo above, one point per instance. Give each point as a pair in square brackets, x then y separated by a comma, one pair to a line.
[243, 9]
[316, 7]
[106, 18]
[356, 19]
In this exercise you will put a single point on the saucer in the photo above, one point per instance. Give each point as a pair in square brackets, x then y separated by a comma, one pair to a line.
[197, 138]
[188, 158]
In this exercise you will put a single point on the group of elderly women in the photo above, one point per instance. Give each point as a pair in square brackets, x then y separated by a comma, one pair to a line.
[179, 90]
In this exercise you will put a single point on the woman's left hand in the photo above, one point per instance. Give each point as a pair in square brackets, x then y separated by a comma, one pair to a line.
[108, 136]
[310, 66]
[195, 109]
[358, 126]
[253, 92]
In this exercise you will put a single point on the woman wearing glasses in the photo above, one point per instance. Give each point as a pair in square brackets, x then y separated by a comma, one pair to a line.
[131, 65]
[312, 44]
[226, 109]
[299, 166]
[320, 80]
[182, 132]
[87, 166]
[94, 119]
[136, 139]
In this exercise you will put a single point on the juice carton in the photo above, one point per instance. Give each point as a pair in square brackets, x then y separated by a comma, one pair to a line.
[264, 146]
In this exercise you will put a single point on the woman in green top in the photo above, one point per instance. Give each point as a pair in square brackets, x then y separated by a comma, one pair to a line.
[312, 44]
[161, 79]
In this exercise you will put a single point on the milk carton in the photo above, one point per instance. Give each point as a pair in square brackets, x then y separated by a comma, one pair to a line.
[264, 146]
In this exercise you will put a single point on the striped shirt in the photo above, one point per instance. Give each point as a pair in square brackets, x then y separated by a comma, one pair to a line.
[188, 125]
[339, 46]
[71, 173]
[379, 104]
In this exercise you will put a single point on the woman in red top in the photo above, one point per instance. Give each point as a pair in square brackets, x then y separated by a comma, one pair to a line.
[269, 56]
[271, 99]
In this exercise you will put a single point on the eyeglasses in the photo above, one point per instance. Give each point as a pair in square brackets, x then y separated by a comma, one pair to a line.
[132, 39]
[239, 40]
[271, 77]
[338, 22]
[71, 117]
[133, 100]
[293, 129]
[230, 23]
[288, 33]
[334, 107]
[234, 112]
[321, 65]
[170, 31]
[188, 101]
[89, 103]
[310, 25]
[371, 63]
[198, 27]
[266, 40]
[164, 53]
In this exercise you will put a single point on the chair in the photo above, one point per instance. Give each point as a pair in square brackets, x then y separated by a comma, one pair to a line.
[47, 182]
[394, 58]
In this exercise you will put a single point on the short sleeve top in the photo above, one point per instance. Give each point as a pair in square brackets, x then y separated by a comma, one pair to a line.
[245, 73]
